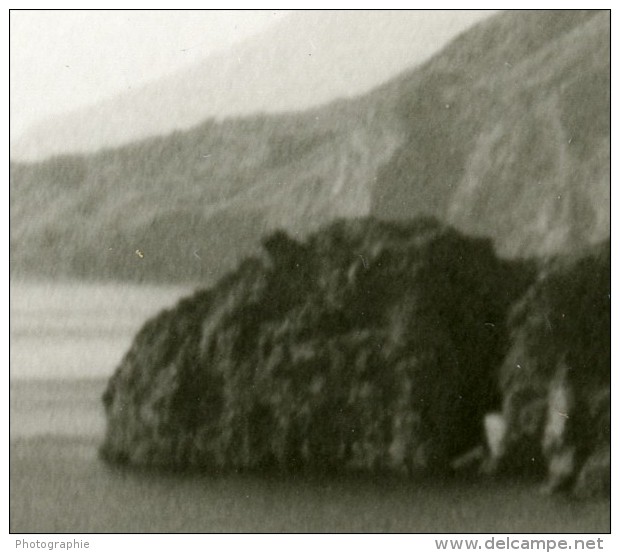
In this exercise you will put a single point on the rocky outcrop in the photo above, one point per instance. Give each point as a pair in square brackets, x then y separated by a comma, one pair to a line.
[378, 347]
[368, 346]
[556, 378]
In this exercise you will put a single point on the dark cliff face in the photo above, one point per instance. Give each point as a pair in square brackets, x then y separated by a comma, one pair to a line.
[367, 346]
[556, 377]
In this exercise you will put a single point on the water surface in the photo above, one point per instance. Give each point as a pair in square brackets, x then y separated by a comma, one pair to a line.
[66, 341]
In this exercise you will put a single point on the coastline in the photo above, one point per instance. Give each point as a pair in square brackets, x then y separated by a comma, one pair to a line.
[59, 484]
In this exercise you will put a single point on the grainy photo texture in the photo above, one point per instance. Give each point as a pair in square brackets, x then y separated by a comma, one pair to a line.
[310, 271]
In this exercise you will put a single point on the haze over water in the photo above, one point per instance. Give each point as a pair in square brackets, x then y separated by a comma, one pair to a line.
[77, 329]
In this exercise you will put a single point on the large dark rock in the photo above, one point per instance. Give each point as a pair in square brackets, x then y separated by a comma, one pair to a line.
[367, 346]
[556, 378]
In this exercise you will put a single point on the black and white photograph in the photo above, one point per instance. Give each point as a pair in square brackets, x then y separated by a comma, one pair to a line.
[332, 271]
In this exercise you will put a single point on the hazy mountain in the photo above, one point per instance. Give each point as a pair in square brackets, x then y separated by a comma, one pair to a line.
[504, 133]
[308, 59]
[509, 133]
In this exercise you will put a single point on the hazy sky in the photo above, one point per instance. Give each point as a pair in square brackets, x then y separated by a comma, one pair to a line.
[61, 60]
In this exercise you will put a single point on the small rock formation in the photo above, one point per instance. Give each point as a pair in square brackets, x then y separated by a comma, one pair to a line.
[367, 346]
[556, 378]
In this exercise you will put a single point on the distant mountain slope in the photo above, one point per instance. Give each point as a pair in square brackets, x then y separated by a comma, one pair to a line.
[505, 133]
[509, 134]
[306, 60]
[193, 203]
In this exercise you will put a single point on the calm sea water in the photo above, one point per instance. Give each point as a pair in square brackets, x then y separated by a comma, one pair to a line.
[66, 340]
[78, 330]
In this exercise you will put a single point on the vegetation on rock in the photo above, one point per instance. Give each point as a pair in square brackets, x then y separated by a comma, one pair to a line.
[367, 346]
[378, 347]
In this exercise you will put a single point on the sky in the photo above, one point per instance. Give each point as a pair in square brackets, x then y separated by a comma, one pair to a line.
[62, 60]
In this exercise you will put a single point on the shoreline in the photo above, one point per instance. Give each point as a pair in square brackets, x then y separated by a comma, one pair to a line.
[59, 484]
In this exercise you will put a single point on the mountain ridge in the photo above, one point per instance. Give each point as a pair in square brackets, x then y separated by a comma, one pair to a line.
[476, 136]
[300, 63]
